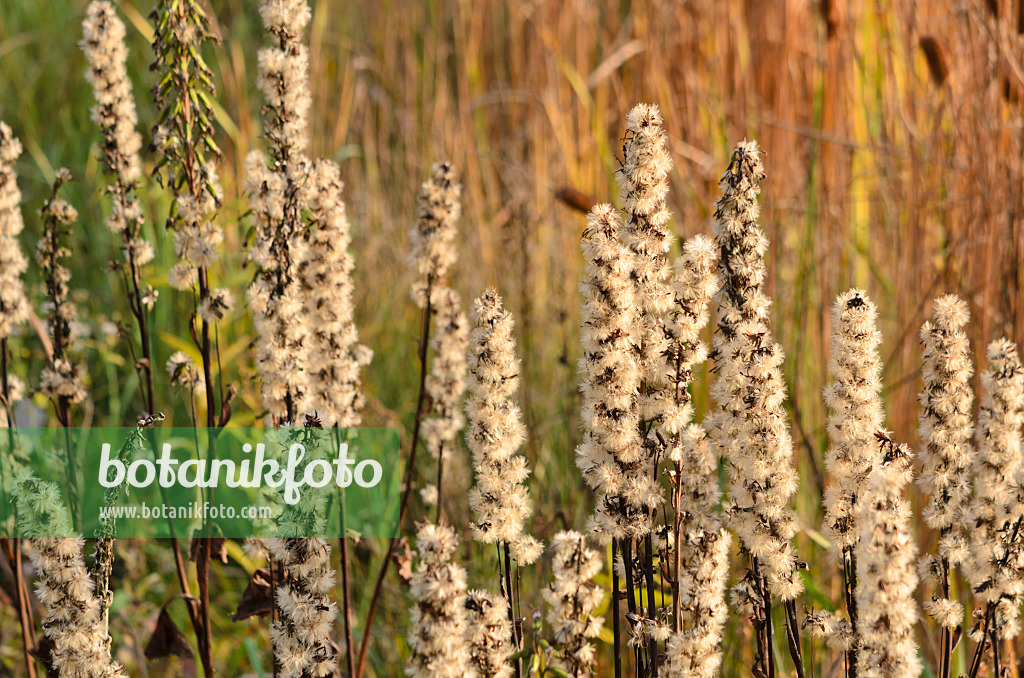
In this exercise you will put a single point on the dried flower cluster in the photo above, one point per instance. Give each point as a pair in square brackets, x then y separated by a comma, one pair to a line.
[81, 646]
[432, 239]
[279, 193]
[572, 599]
[432, 253]
[945, 428]
[885, 568]
[855, 403]
[61, 380]
[643, 182]
[994, 515]
[438, 632]
[749, 424]
[488, 630]
[114, 112]
[335, 354]
[302, 647]
[184, 138]
[13, 304]
[611, 457]
[500, 500]
[702, 561]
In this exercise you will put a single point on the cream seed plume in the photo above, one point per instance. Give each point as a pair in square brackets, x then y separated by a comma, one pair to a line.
[432, 239]
[703, 546]
[500, 500]
[610, 456]
[61, 380]
[446, 383]
[13, 303]
[114, 112]
[749, 424]
[335, 354]
[994, 512]
[855, 403]
[885, 568]
[488, 630]
[438, 643]
[643, 182]
[945, 428]
[81, 646]
[572, 599]
[694, 284]
[301, 639]
[279, 193]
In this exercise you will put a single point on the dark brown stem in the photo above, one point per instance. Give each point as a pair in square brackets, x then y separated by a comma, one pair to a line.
[616, 633]
[850, 586]
[346, 604]
[946, 658]
[979, 651]
[649, 576]
[793, 636]
[12, 552]
[409, 476]
[440, 478]
[511, 610]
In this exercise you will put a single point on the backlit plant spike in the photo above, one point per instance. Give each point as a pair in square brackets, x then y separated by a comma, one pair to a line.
[610, 457]
[945, 428]
[500, 499]
[994, 513]
[572, 599]
[438, 642]
[885, 568]
[749, 424]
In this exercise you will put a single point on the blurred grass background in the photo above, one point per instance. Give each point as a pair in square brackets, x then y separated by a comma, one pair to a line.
[893, 133]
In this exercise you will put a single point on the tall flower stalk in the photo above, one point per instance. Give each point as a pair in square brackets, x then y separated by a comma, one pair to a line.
[438, 642]
[749, 425]
[103, 41]
[438, 206]
[572, 599]
[279, 193]
[81, 644]
[184, 143]
[13, 314]
[945, 428]
[643, 182]
[885, 567]
[62, 379]
[856, 415]
[994, 515]
[500, 499]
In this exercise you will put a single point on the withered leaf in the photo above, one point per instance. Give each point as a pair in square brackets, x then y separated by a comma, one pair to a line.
[258, 598]
[403, 561]
[168, 641]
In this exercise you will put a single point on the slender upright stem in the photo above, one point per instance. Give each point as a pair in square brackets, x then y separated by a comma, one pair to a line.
[511, 610]
[649, 576]
[946, 658]
[616, 633]
[346, 603]
[793, 636]
[409, 476]
[440, 478]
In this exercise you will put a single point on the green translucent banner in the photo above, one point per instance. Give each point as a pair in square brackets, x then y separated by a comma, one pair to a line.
[233, 482]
